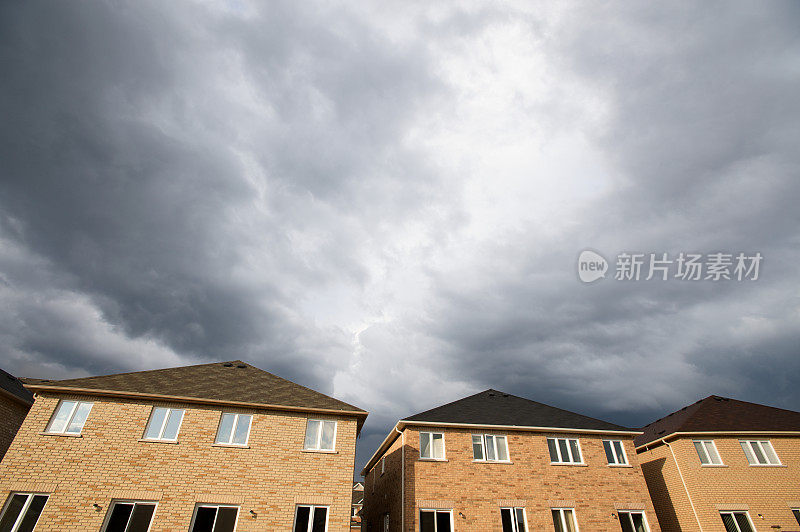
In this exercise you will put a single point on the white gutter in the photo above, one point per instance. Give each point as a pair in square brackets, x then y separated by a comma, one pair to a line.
[646, 446]
[684, 486]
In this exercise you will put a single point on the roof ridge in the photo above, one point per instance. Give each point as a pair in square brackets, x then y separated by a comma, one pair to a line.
[142, 371]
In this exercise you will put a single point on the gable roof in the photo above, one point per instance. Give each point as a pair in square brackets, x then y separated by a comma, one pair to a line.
[492, 407]
[13, 388]
[721, 414]
[233, 382]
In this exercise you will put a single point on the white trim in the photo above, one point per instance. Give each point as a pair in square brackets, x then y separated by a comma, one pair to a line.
[561, 460]
[705, 444]
[515, 523]
[164, 424]
[442, 458]
[484, 448]
[217, 506]
[761, 447]
[233, 430]
[524, 428]
[560, 510]
[70, 417]
[25, 506]
[733, 433]
[318, 443]
[685, 488]
[630, 514]
[134, 502]
[614, 453]
[313, 509]
[435, 511]
[746, 514]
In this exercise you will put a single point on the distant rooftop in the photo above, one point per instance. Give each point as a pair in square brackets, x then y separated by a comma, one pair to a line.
[13, 386]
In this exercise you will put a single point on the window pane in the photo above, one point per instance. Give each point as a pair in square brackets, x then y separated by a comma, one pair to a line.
[520, 519]
[730, 525]
[743, 522]
[748, 453]
[477, 447]
[328, 435]
[156, 420]
[204, 519]
[242, 429]
[625, 522]
[425, 445]
[225, 428]
[562, 446]
[142, 515]
[638, 522]
[490, 454]
[301, 519]
[119, 517]
[443, 522]
[312, 433]
[427, 522]
[505, 519]
[33, 513]
[557, 520]
[226, 519]
[609, 452]
[797, 515]
[576, 453]
[551, 446]
[701, 452]
[569, 519]
[438, 445]
[713, 455]
[770, 452]
[620, 453]
[320, 518]
[757, 452]
[173, 425]
[12, 511]
[79, 418]
[61, 418]
[502, 448]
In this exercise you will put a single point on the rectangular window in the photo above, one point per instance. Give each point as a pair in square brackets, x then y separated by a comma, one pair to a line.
[129, 516]
[736, 522]
[796, 513]
[234, 429]
[431, 445]
[214, 518]
[311, 518]
[633, 521]
[615, 452]
[759, 452]
[320, 435]
[22, 511]
[69, 417]
[513, 519]
[707, 452]
[489, 448]
[564, 519]
[165, 423]
[564, 451]
[435, 521]
[385, 522]
[383, 465]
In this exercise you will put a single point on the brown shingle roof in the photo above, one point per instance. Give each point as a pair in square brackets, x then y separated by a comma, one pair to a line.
[13, 386]
[721, 414]
[234, 382]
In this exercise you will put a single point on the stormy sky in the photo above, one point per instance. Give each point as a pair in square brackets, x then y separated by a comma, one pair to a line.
[386, 201]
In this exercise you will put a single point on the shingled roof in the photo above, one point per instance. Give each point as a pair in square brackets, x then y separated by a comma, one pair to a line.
[721, 414]
[228, 382]
[13, 388]
[492, 407]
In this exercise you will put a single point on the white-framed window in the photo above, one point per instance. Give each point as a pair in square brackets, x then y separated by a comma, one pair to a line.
[431, 445]
[129, 516]
[796, 513]
[320, 435]
[69, 417]
[737, 522]
[633, 521]
[385, 522]
[489, 448]
[615, 452]
[309, 518]
[383, 465]
[564, 519]
[564, 451]
[234, 429]
[21, 511]
[164, 424]
[214, 518]
[435, 520]
[759, 452]
[513, 519]
[707, 451]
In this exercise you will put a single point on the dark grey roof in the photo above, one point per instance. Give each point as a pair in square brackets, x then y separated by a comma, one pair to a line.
[12, 385]
[492, 407]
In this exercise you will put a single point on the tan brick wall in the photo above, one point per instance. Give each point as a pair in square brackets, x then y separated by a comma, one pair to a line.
[476, 491]
[108, 462]
[769, 491]
[12, 413]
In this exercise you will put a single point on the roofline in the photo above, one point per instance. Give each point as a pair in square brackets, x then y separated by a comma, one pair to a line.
[663, 439]
[15, 397]
[403, 423]
[192, 400]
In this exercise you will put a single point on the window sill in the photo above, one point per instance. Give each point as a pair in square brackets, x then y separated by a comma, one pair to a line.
[713, 465]
[619, 465]
[62, 434]
[230, 445]
[501, 462]
[168, 442]
[319, 451]
[568, 464]
[768, 465]
[432, 460]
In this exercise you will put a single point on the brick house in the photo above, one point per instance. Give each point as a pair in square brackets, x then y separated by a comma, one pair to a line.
[724, 465]
[15, 401]
[497, 462]
[358, 503]
[205, 448]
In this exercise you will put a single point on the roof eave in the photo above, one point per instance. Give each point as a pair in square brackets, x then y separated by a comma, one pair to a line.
[521, 428]
[15, 397]
[675, 435]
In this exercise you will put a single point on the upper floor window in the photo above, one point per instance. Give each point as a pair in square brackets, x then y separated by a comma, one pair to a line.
[736, 522]
[513, 519]
[707, 451]
[633, 521]
[383, 465]
[431, 445]
[615, 452]
[320, 435]
[759, 452]
[130, 516]
[311, 518]
[164, 424]
[489, 448]
[69, 417]
[234, 429]
[435, 521]
[214, 518]
[564, 519]
[564, 451]
[796, 513]
[22, 511]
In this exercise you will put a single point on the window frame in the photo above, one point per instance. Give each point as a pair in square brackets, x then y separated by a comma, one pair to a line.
[796, 514]
[383, 465]
[230, 443]
[318, 448]
[72, 412]
[613, 448]
[734, 512]
[169, 410]
[435, 523]
[561, 461]
[113, 504]
[432, 457]
[486, 458]
[705, 445]
[311, 515]
[560, 510]
[515, 522]
[25, 507]
[199, 505]
[630, 513]
[760, 443]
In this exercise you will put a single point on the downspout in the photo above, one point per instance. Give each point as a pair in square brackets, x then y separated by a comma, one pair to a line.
[684, 486]
[402, 478]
